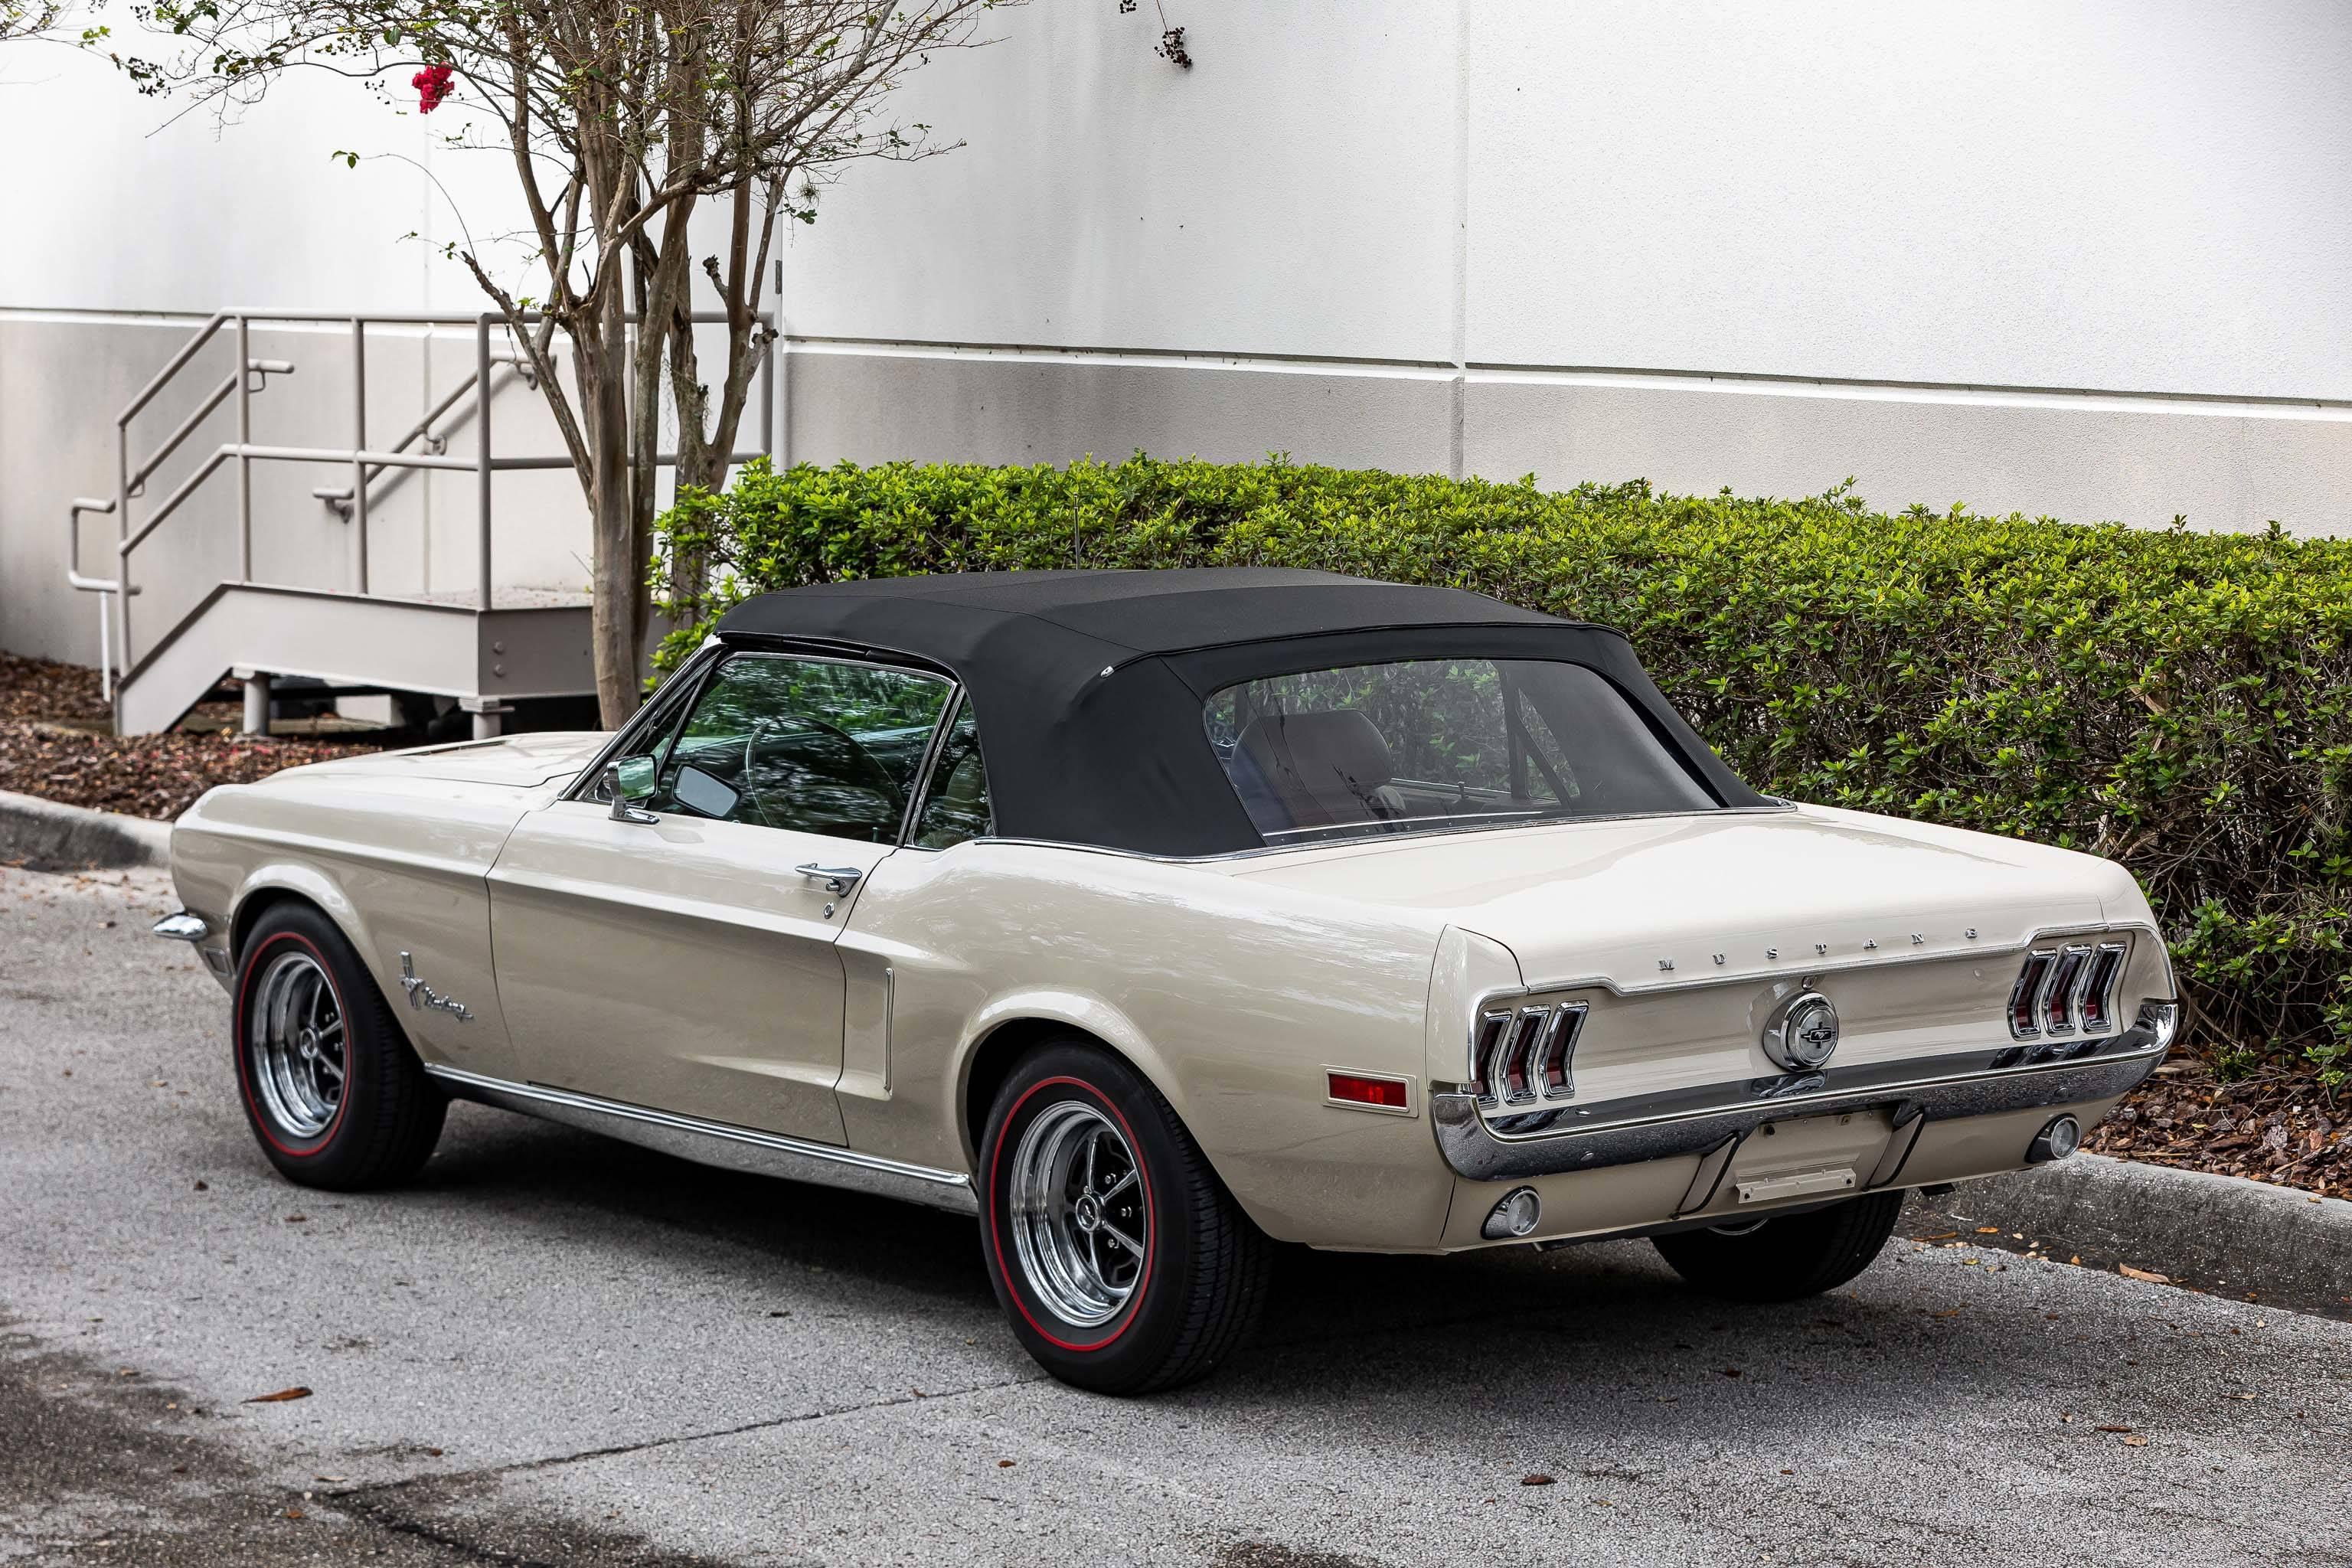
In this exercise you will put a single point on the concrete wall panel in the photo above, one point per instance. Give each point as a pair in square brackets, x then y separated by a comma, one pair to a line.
[2083, 460]
[872, 407]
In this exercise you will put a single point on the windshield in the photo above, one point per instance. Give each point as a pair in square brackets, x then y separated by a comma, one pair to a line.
[1440, 743]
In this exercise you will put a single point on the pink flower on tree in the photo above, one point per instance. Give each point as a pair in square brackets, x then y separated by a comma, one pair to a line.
[432, 85]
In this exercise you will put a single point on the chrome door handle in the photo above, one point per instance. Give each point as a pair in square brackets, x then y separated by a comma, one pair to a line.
[837, 880]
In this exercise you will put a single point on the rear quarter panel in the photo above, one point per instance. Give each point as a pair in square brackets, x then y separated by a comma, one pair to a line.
[1233, 999]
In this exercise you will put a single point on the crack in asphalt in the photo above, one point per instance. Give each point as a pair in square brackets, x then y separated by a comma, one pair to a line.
[554, 1461]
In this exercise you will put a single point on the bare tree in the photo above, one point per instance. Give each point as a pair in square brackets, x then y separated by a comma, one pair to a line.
[626, 121]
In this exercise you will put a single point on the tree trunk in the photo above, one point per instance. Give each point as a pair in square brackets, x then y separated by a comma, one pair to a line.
[617, 567]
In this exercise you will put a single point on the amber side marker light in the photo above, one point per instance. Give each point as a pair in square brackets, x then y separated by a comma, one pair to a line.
[1375, 1093]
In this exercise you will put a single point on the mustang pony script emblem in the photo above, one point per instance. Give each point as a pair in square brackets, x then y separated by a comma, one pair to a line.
[422, 996]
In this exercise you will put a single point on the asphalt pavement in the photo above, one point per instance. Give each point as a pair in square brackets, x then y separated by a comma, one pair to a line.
[558, 1349]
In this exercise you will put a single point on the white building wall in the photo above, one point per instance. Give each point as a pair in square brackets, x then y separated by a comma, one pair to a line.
[2092, 260]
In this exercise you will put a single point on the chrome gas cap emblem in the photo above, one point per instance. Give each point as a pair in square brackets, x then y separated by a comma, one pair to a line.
[1802, 1032]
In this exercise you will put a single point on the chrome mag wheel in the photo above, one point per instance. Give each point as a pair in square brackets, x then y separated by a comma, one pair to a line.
[1080, 1226]
[296, 1047]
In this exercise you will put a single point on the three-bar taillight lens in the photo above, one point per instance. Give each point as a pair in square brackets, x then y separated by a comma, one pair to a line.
[1525, 1056]
[2068, 990]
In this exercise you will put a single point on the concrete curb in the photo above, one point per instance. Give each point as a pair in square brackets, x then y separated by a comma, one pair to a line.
[44, 836]
[2223, 1235]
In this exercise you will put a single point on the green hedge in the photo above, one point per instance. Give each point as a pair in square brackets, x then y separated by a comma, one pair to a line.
[2176, 701]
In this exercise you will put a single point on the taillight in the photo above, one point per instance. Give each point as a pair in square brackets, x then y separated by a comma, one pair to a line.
[2098, 1005]
[1519, 1058]
[2066, 991]
[2025, 996]
[1524, 1055]
[2057, 1006]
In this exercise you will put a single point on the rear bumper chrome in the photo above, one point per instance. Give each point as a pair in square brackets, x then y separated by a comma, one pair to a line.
[1703, 1120]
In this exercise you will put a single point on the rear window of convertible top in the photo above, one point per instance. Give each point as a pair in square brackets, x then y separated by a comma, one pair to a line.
[1433, 743]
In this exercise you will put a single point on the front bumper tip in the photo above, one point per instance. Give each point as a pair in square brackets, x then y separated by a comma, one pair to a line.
[183, 927]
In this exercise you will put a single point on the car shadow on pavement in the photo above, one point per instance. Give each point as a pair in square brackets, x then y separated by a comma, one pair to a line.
[1609, 1319]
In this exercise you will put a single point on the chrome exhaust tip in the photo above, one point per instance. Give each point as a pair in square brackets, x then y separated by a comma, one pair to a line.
[2055, 1141]
[1517, 1215]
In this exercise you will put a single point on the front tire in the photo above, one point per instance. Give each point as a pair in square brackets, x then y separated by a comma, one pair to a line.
[1785, 1259]
[1120, 1260]
[332, 1087]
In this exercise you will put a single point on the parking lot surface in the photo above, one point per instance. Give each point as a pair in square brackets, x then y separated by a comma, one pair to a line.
[555, 1349]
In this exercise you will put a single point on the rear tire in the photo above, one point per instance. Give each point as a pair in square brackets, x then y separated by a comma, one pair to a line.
[334, 1091]
[1784, 1259]
[1082, 1161]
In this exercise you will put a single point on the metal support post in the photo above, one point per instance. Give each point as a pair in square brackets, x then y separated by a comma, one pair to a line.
[121, 510]
[482, 460]
[490, 715]
[244, 438]
[256, 702]
[359, 445]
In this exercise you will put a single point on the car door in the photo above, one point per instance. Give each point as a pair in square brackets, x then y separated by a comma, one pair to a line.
[678, 952]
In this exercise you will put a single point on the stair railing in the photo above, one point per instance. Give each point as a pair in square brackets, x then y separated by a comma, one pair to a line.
[365, 464]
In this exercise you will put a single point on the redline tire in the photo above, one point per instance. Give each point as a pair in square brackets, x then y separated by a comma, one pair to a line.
[301, 996]
[1789, 1259]
[1200, 1284]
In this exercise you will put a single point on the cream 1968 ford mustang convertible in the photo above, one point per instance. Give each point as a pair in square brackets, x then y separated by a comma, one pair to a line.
[1148, 916]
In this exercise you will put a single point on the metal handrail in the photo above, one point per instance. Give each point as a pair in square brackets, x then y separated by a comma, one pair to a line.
[341, 500]
[265, 367]
[366, 464]
[80, 584]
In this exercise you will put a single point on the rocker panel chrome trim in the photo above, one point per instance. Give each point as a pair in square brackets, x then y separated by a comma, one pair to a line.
[1662, 1126]
[717, 1143]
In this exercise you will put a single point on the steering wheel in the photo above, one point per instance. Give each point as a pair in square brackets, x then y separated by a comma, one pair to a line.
[875, 775]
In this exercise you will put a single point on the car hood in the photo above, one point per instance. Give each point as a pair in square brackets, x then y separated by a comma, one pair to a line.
[521, 761]
[1653, 902]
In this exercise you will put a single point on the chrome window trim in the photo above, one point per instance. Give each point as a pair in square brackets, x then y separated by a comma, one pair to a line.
[689, 677]
[720, 655]
[1709, 813]
[719, 1142]
[915, 801]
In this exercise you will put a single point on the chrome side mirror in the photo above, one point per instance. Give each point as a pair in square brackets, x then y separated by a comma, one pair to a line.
[621, 810]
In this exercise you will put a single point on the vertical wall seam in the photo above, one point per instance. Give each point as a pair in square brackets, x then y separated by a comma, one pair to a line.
[1455, 441]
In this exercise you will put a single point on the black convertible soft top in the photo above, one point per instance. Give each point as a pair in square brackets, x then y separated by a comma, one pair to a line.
[1089, 685]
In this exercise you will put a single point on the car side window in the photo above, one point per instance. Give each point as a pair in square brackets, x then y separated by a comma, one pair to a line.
[956, 807]
[806, 745]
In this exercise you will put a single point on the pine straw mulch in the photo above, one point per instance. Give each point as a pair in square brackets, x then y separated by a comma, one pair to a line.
[45, 751]
[2278, 1128]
